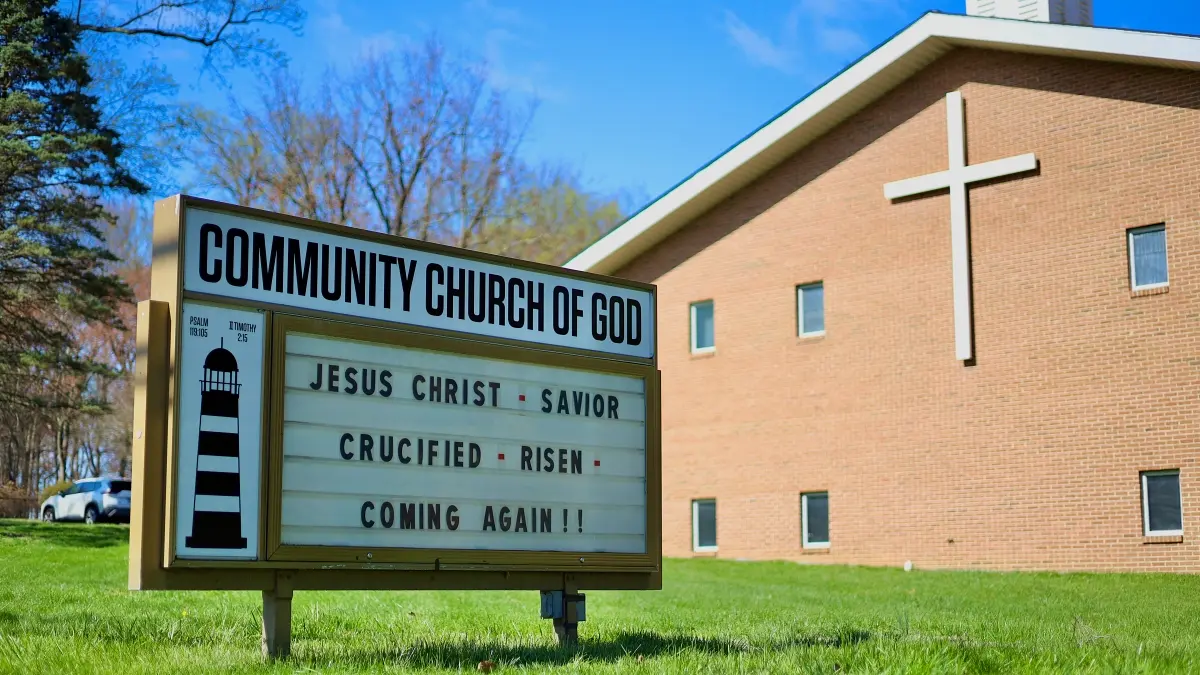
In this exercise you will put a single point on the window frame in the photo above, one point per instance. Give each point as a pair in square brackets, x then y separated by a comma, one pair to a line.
[1146, 531]
[804, 542]
[696, 547]
[1129, 234]
[800, 309]
[692, 334]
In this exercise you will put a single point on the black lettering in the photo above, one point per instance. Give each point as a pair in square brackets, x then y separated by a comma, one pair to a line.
[563, 408]
[433, 520]
[356, 277]
[456, 292]
[547, 460]
[577, 461]
[404, 459]
[612, 407]
[326, 277]
[385, 383]
[435, 389]
[432, 270]
[407, 274]
[417, 394]
[408, 516]
[316, 386]
[452, 517]
[365, 443]
[545, 520]
[633, 320]
[495, 298]
[351, 385]
[458, 453]
[489, 519]
[363, 514]
[368, 381]
[268, 268]
[237, 258]
[536, 306]
[474, 455]
[562, 460]
[547, 406]
[477, 297]
[562, 310]
[431, 446]
[333, 378]
[371, 284]
[387, 514]
[479, 399]
[598, 405]
[387, 261]
[526, 458]
[576, 310]
[495, 387]
[599, 324]
[300, 269]
[451, 391]
[516, 314]
[616, 319]
[505, 519]
[521, 525]
[580, 400]
[210, 231]
[387, 450]
[346, 454]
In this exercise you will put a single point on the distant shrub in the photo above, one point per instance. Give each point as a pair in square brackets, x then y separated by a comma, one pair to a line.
[15, 502]
[54, 489]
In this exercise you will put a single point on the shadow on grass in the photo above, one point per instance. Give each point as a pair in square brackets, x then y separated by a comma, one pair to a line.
[622, 645]
[75, 535]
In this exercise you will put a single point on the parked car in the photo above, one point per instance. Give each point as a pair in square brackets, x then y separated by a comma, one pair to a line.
[91, 500]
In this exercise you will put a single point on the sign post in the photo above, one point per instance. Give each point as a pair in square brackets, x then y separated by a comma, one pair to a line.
[320, 407]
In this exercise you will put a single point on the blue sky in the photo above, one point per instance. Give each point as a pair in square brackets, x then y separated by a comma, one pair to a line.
[639, 93]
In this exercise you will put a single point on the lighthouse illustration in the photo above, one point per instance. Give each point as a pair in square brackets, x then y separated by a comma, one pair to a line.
[217, 508]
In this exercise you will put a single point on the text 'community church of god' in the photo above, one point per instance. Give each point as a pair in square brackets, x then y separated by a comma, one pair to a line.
[945, 309]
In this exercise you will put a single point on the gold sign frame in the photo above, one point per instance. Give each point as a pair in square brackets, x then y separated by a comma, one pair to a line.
[154, 563]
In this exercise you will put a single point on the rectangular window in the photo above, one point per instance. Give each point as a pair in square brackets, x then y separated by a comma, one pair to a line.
[1162, 505]
[810, 308]
[704, 525]
[703, 337]
[814, 519]
[1148, 256]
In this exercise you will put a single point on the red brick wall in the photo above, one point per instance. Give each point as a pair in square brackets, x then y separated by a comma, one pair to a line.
[1029, 459]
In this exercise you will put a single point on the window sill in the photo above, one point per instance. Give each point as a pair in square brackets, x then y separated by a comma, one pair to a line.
[704, 553]
[704, 353]
[1150, 290]
[810, 337]
[1163, 539]
[814, 550]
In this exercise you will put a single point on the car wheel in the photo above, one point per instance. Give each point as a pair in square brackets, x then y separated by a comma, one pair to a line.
[91, 515]
[48, 515]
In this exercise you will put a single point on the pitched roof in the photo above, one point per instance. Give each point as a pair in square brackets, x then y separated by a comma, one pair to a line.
[851, 90]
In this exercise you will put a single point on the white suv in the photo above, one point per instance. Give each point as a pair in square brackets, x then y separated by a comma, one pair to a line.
[90, 500]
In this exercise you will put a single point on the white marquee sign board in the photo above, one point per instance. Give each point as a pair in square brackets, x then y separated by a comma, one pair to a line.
[344, 400]
[394, 447]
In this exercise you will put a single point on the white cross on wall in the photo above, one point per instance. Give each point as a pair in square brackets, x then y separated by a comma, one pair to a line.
[956, 178]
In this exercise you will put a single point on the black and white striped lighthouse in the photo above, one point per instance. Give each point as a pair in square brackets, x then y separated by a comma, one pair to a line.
[217, 509]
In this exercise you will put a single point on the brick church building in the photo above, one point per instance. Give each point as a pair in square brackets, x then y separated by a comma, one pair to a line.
[943, 310]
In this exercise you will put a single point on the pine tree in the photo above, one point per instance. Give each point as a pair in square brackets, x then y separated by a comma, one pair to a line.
[56, 161]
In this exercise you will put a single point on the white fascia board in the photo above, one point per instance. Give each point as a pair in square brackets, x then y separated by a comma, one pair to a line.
[953, 30]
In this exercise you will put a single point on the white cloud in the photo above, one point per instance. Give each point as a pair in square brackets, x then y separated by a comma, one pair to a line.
[840, 40]
[757, 47]
[503, 15]
[501, 76]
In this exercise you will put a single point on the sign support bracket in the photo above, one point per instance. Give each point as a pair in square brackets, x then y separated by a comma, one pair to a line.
[567, 608]
[277, 618]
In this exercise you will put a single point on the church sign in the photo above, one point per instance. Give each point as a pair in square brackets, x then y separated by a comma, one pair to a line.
[326, 407]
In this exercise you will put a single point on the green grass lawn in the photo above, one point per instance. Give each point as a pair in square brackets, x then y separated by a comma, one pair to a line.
[64, 609]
